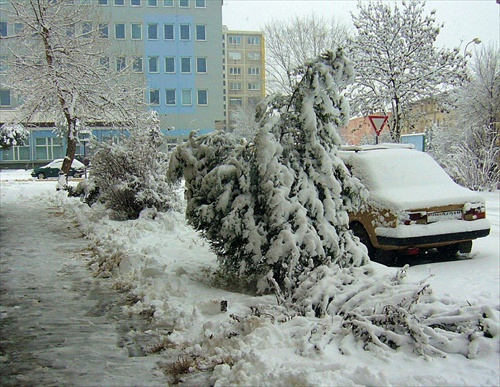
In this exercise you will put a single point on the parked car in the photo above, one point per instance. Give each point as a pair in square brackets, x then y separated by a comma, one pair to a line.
[413, 205]
[53, 168]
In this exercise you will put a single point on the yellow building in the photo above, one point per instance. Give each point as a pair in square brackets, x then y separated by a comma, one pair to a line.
[427, 113]
[244, 70]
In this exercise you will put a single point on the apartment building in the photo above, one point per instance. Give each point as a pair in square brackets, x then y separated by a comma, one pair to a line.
[176, 44]
[244, 69]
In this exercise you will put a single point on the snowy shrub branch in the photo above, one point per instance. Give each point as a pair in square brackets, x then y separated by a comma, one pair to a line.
[131, 176]
[12, 135]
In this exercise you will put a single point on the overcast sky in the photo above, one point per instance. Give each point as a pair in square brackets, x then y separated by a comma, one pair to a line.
[464, 19]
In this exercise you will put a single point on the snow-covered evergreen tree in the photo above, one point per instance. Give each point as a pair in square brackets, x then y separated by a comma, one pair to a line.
[277, 207]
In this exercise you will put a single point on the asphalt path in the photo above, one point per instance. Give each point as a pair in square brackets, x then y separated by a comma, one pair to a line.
[59, 324]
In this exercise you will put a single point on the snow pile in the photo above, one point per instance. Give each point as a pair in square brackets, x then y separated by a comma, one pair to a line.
[169, 271]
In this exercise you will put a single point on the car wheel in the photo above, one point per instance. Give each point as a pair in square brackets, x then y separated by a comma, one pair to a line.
[384, 257]
[360, 232]
[449, 250]
[41, 176]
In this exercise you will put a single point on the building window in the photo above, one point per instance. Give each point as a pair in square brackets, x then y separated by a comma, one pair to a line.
[104, 63]
[253, 55]
[153, 64]
[4, 64]
[120, 31]
[152, 3]
[5, 97]
[18, 152]
[86, 29]
[168, 31]
[202, 96]
[184, 3]
[170, 64]
[119, 2]
[135, 3]
[170, 97]
[153, 31]
[234, 70]
[154, 97]
[136, 31]
[121, 63]
[200, 4]
[201, 65]
[102, 2]
[253, 40]
[185, 32]
[3, 29]
[168, 3]
[18, 28]
[235, 101]
[185, 65]
[103, 31]
[235, 55]
[137, 66]
[48, 148]
[70, 31]
[201, 32]
[254, 71]
[234, 85]
[234, 39]
[254, 86]
[186, 97]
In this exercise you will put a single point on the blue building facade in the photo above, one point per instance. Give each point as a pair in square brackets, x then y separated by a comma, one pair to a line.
[176, 44]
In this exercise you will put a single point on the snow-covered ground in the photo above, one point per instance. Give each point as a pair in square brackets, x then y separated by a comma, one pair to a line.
[165, 264]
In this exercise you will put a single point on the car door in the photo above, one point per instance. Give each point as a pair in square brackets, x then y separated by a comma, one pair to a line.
[54, 168]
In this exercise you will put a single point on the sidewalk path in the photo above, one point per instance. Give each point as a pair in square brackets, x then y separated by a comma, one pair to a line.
[59, 325]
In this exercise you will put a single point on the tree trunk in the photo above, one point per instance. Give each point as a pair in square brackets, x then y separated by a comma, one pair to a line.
[71, 147]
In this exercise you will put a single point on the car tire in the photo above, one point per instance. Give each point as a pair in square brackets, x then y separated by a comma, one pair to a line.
[384, 257]
[359, 231]
[40, 176]
[449, 250]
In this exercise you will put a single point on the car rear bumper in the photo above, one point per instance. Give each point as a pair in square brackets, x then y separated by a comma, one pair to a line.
[432, 234]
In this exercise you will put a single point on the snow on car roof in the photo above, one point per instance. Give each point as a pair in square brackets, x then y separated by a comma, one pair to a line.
[75, 164]
[403, 179]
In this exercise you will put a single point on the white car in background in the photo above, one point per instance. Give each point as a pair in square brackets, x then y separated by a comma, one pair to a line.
[413, 204]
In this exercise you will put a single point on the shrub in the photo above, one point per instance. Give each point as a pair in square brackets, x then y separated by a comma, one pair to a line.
[131, 176]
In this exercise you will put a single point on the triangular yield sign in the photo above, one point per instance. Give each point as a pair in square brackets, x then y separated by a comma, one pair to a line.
[378, 123]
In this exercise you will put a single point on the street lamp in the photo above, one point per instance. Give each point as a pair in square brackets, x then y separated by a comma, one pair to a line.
[475, 41]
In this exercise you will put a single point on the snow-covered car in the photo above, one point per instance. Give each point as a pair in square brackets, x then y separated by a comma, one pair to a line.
[413, 204]
[53, 168]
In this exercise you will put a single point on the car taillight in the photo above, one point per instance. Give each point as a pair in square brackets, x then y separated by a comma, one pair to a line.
[473, 211]
[413, 218]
